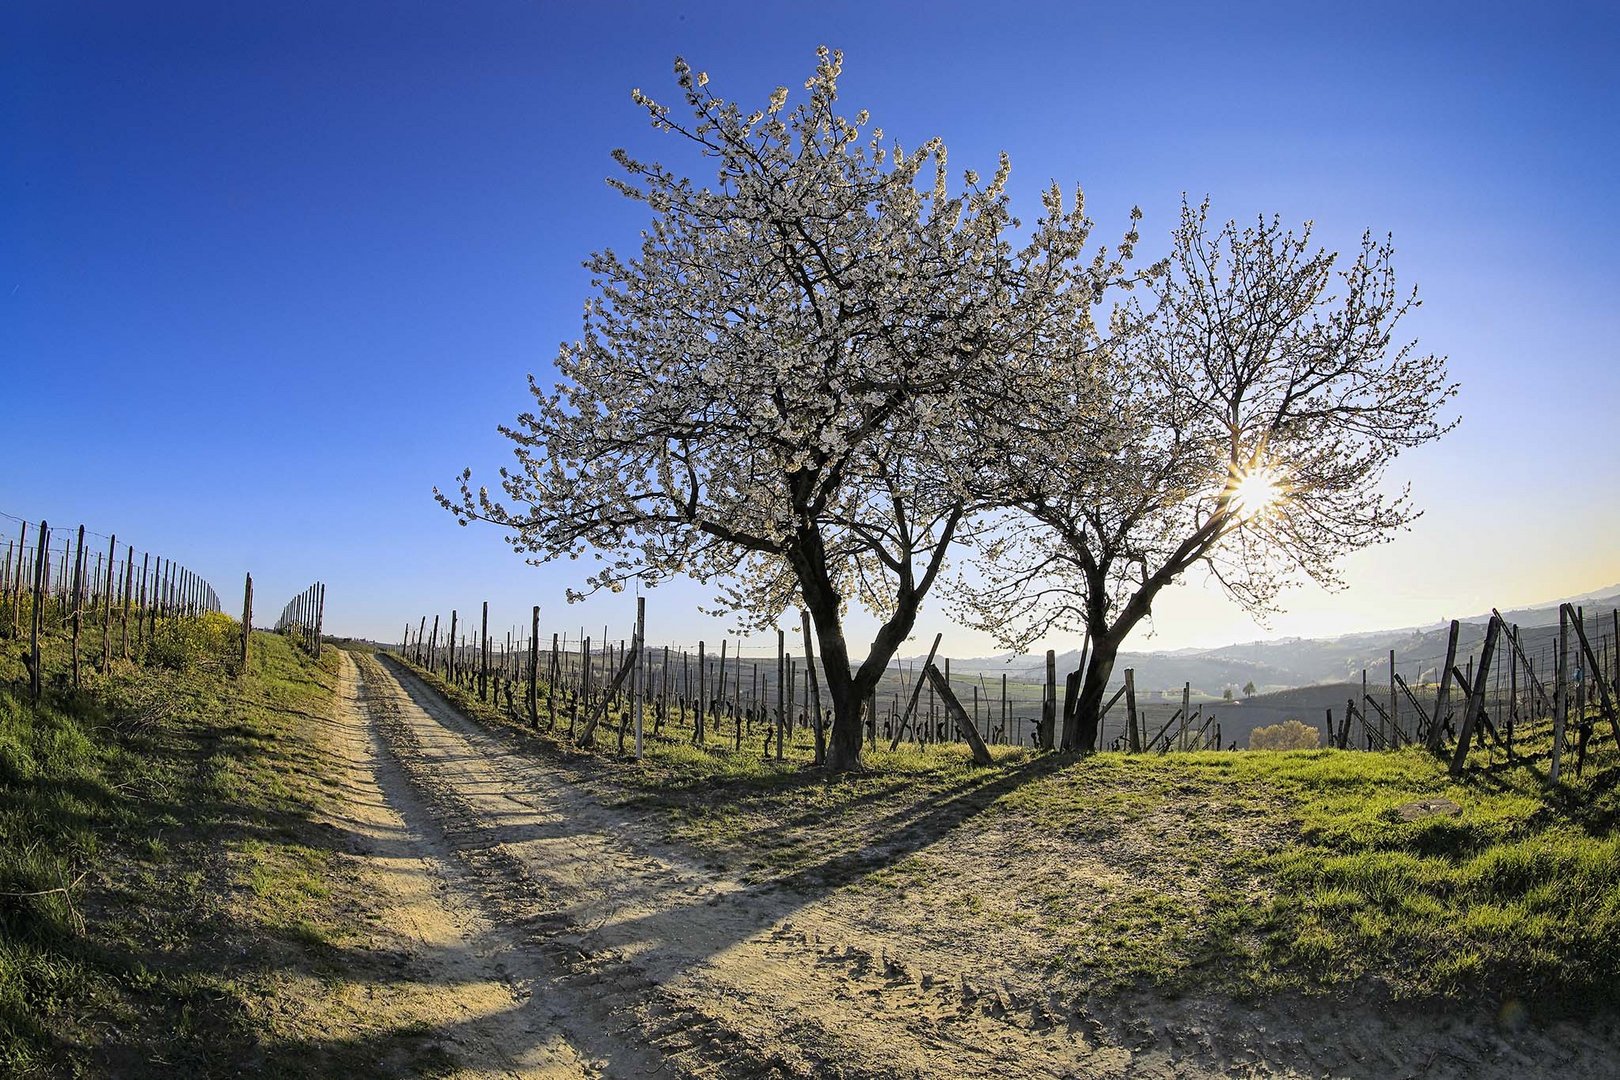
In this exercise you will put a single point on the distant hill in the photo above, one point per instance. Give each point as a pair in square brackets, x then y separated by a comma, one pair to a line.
[1305, 662]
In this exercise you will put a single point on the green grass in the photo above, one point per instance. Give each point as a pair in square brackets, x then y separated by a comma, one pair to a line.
[149, 852]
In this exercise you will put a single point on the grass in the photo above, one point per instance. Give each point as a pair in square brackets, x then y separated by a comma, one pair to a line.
[1249, 872]
[160, 859]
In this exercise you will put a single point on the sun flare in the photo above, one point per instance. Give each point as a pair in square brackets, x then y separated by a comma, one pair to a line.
[1255, 492]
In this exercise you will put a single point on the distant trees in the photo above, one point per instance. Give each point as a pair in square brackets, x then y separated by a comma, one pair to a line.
[1252, 412]
[1288, 735]
[786, 390]
[1248, 688]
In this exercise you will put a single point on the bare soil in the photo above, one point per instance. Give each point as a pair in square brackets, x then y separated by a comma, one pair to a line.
[542, 930]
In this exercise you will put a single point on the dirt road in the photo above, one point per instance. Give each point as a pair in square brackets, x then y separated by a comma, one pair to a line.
[563, 938]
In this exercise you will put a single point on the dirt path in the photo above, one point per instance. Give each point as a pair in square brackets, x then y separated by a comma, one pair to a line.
[567, 940]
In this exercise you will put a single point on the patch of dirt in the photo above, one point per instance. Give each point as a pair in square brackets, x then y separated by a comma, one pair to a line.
[550, 933]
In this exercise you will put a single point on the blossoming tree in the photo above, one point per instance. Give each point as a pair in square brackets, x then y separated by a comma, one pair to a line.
[1253, 412]
[777, 394]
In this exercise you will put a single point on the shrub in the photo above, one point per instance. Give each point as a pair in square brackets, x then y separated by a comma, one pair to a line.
[210, 642]
[1288, 735]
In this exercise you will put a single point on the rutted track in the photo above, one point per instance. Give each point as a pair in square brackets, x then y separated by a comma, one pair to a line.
[645, 953]
[625, 958]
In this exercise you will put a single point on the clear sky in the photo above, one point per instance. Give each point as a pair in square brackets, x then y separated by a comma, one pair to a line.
[269, 272]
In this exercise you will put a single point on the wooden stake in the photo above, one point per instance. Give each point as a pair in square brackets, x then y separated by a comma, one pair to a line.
[41, 558]
[1476, 696]
[1130, 711]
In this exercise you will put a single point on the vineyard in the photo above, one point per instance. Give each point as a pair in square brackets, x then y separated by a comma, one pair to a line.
[1494, 695]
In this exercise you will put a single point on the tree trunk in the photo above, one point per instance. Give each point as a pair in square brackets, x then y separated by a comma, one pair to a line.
[1099, 668]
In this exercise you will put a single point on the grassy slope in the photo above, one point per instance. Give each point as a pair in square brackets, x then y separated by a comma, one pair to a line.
[172, 809]
[1240, 872]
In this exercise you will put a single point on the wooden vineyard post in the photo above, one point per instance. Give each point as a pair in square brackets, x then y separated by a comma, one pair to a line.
[433, 645]
[320, 616]
[1046, 733]
[1560, 694]
[641, 684]
[718, 698]
[247, 620]
[554, 676]
[1394, 703]
[1186, 716]
[483, 655]
[1130, 711]
[534, 667]
[1437, 730]
[1476, 696]
[1598, 676]
[701, 710]
[106, 605]
[916, 691]
[129, 574]
[781, 689]
[16, 586]
[964, 723]
[450, 652]
[1071, 723]
[38, 613]
[77, 601]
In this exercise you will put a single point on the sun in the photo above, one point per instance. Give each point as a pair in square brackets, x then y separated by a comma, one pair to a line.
[1255, 492]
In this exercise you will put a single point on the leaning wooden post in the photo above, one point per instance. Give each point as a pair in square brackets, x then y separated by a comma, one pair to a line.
[1476, 697]
[916, 692]
[1130, 711]
[1599, 676]
[1437, 730]
[964, 725]
[247, 619]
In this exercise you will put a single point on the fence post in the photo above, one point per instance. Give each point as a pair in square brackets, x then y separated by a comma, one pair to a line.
[38, 613]
[1476, 696]
[1130, 710]
[483, 654]
[1437, 730]
[781, 689]
[78, 596]
[247, 619]
[534, 667]
[642, 682]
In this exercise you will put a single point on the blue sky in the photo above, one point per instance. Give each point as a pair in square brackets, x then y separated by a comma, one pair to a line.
[270, 272]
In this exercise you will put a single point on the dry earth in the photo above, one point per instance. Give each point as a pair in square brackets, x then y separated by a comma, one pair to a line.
[542, 932]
